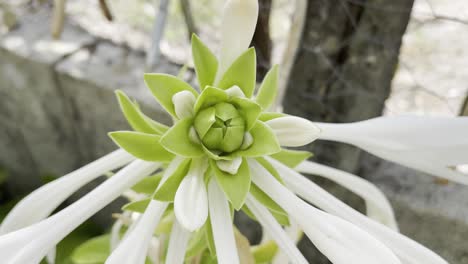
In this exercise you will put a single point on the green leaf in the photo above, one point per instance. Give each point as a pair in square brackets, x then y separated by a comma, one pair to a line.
[265, 252]
[280, 215]
[269, 168]
[209, 97]
[266, 116]
[164, 87]
[93, 251]
[264, 142]
[269, 88]
[206, 64]
[142, 146]
[167, 189]
[197, 243]
[136, 119]
[248, 109]
[137, 206]
[148, 185]
[242, 73]
[204, 120]
[165, 225]
[291, 158]
[177, 140]
[237, 186]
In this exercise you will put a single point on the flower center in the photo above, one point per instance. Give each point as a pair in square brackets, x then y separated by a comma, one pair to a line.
[220, 127]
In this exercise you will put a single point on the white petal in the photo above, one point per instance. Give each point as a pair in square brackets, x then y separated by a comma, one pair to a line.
[229, 166]
[409, 251]
[43, 201]
[177, 244]
[134, 247]
[18, 247]
[191, 201]
[154, 250]
[116, 229]
[51, 256]
[275, 231]
[293, 131]
[221, 223]
[378, 207]
[235, 91]
[429, 144]
[295, 233]
[184, 102]
[341, 241]
[237, 29]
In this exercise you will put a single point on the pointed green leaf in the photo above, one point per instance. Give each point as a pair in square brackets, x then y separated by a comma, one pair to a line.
[269, 88]
[206, 64]
[276, 210]
[142, 146]
[242, 73]
[266, 116]
[204, 120]
[269, 168]
[264, 142]
[236, 187]
[167, 189]
[209, 97]
[137, 206]
[291, 158]
[148, 185]
[93, 251]
[164, 87]
[136, 119]
[248, 109]
[177, 140]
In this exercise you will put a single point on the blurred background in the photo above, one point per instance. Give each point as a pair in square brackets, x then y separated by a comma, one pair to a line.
[341, 61]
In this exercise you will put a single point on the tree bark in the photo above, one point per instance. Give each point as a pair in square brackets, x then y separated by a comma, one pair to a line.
[261, 39]
[344, 66]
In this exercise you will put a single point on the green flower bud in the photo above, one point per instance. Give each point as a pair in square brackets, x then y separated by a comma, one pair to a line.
[220, 127]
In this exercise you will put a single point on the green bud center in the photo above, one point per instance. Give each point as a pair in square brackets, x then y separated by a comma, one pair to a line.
[220, 127]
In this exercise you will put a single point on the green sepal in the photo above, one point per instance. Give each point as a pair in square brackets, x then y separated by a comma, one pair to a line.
[135, 118]
[265, 252]
[164, 87]
[93, 251]
[291, 158]
[167, 220]
[209, 97]
[167, 189]
[197, 243]
[266, 116]
[271, 205]
[237, 186]
[148, 185]
[242, 73]
[264, 142]
[248, 109]
[177, 140]
[142, 146]
[206, 64]
[268, 89]
[137, 206]
[269, 168]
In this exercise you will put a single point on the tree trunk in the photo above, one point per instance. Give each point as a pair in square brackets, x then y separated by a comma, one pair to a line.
[261, 39]
[344, 66]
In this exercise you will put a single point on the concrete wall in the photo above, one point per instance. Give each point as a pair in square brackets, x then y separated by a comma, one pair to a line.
[57, 105]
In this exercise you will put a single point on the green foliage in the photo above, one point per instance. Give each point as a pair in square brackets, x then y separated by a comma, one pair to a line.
[264, 142]
[148, 185]
[242, 73]
[269, 88]
[291, 158]
[206, 64]
[137, 206]
[177, 140]
[265, 252]
[167, 189]
[142, 146]
[237, 186]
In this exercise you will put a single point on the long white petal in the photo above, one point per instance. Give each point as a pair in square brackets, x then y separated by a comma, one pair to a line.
[294, 232]
[177, 244]
[429, 144]
[43, 201]
[183, 104]
[31, 244]
[191, 200]
[133, 249]
[409, 251]
[293, 131]
[237, 29]
[220, 217]
[341, 241]
[275, 231]
[378, 207]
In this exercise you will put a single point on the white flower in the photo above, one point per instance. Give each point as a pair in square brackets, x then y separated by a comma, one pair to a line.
[183, 104]
[430, 144]
[293, 131]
